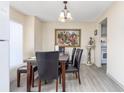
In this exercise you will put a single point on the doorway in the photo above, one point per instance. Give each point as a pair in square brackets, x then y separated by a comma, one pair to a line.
[104, 44]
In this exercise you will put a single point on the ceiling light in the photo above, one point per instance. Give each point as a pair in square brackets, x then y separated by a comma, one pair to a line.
[65, 15]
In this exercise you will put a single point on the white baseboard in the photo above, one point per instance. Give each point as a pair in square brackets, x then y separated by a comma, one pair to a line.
[110, 76]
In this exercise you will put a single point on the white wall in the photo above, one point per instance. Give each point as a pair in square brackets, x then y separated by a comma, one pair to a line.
[48, 35]
[38, 34]
[98, 47]
[115, 38]
[29, 36]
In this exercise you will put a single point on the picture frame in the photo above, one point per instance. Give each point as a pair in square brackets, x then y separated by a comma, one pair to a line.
[68, 37]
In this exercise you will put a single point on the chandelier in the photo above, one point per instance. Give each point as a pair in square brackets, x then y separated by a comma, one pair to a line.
[65, 15]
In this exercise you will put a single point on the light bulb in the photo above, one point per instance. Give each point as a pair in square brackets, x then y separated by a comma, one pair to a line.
[69, 16]
[61, 19]
[61, 15]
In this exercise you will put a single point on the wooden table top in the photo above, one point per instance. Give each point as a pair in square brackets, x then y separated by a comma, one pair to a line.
[62, 58]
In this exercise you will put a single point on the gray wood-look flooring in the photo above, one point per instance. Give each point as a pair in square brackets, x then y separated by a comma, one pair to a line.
[93, 79]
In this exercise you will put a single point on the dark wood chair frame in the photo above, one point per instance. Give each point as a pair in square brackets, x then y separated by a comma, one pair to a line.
[20, 70]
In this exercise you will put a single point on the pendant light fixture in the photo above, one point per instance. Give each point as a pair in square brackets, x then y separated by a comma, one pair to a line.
[65, 15]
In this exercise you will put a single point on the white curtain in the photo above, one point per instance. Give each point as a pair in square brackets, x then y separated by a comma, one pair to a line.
[16, 47]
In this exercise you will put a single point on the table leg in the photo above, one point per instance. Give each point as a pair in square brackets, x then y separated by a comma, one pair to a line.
[63, 76]
[29, 76]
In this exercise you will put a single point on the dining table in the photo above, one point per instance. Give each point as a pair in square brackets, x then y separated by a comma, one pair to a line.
[63, 58]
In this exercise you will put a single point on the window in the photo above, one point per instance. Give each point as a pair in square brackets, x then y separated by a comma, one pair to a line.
[16, 44]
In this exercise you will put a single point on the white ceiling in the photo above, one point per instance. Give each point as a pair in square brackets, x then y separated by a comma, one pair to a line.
[50, 10]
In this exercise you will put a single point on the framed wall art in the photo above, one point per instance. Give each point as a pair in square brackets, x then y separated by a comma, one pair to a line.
[68, 37]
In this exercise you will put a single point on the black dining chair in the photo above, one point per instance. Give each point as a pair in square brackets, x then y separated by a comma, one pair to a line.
[47, 63]
[71, 62]
[76, 67]
[72, 56]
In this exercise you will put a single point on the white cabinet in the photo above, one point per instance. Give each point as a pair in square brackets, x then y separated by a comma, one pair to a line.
[4, 66]
[4, 20]
[4, 46]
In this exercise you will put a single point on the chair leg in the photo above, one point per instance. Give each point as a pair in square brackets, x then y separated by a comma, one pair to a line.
[32, 78]
[79, 77]
[39, 86]
[60, 79]
[45, 81]
[76, 75]
[57, 85]
[18, 79]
